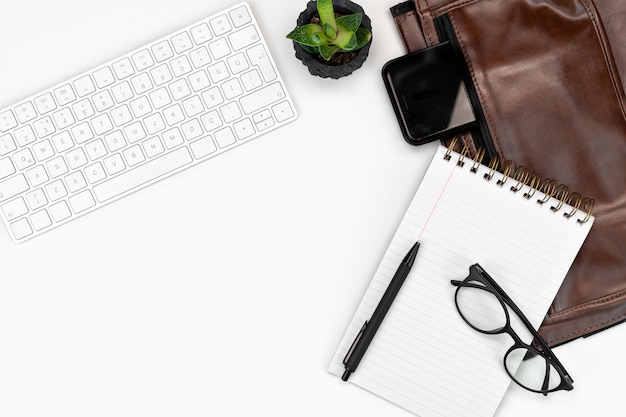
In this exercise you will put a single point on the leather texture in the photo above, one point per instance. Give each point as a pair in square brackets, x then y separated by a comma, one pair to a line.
[549, 84]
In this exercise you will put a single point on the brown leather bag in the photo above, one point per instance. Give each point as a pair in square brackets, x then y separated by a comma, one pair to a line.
[548, 86]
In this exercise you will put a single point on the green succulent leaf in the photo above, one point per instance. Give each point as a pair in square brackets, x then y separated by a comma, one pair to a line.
[363, 36]
[327, 51]
[350, 22]
[330, 31]
[345, 40]
[311, 34]
[327, 13]
[311, 49]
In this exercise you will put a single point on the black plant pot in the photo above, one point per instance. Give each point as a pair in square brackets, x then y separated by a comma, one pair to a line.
[318, 65]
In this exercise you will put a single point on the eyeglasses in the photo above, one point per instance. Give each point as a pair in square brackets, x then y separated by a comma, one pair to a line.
[483, 305]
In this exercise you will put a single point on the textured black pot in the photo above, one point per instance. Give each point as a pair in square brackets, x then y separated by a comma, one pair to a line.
[315, 63]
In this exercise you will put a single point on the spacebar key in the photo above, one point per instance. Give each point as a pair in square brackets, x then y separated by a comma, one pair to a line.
[142, 175]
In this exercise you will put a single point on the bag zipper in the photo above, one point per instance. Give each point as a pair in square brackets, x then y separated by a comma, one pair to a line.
[480, 134]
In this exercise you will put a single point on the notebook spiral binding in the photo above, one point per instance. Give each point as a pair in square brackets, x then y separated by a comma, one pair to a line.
[505, 171]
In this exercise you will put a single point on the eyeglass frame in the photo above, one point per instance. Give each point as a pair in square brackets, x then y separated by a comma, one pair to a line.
[478, 273]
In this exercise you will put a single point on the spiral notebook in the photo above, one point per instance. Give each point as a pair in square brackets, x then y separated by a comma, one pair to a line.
[424, 357]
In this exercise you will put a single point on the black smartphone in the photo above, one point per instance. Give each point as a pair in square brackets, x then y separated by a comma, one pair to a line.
[428, 94]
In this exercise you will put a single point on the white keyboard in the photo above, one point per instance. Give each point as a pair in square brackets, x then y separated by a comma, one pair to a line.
[141, 117]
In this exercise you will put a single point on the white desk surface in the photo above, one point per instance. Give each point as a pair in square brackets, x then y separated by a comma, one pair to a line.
[223, 290]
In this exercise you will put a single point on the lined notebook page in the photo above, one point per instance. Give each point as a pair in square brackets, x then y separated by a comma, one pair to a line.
[425, 358]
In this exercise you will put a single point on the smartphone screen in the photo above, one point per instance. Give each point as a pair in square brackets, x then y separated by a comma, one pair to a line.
[428, 94]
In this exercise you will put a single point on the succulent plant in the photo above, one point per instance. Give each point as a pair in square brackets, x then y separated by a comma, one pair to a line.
[332, 34]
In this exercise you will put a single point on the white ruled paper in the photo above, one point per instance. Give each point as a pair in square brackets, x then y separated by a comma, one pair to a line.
[425, 358]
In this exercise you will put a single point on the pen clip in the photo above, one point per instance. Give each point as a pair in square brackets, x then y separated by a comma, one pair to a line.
[356, 340]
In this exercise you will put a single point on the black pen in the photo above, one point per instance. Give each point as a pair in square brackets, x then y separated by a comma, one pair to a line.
[369, 329]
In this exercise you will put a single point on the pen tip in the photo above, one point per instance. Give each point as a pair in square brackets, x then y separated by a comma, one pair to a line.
[346, 375]
[410, 256]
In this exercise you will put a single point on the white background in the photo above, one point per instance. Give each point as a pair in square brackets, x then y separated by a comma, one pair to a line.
[225, 289]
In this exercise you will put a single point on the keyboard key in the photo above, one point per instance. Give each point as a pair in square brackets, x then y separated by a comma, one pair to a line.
[121, 115]
[103, 77]
[24, 135]
[172, 138]
[142, 175]
[193, 106]
[201, 33]
[114, 164]
[225, 137]
[94, 173]
[103, 100]
[6, 167]
[133, 155]
[60, 211]
[141, 83]
[63, 118]
[161, 74]
[101, 124]
[57, 167]
[240, 16]
[180, 66]
[179, 89]
[21, 229]
[84, 86]
[13, 186]
[44, 127]
[220, 25]
[200, 57]
[40, 220]
[122, 92]
[162, 51]
[259, 57]
[219, 48]
[262, 97]
[82, 132]
[244, 37]
[154, 123]
[212, 97]
[211, 120]
[43, 150]
[244, 129]
[174, 114]
[283, 111]
[232, 89]
[115, 141]
[83, 109]
[7, 144]
[192, 129]
[37, 176]
[26, 112]
[14, 209]
[62, 141]
[64, 94]
[123, 68]
[142, 60]
[82, 201]
[7, 121]
[75, 181]
[56, 190]
[36, 199]
[76, 158]
[218, 72]
[45, 103]
[203, 147]
[23, 159]
[182, 42]
[153, 147]
[199, 80]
